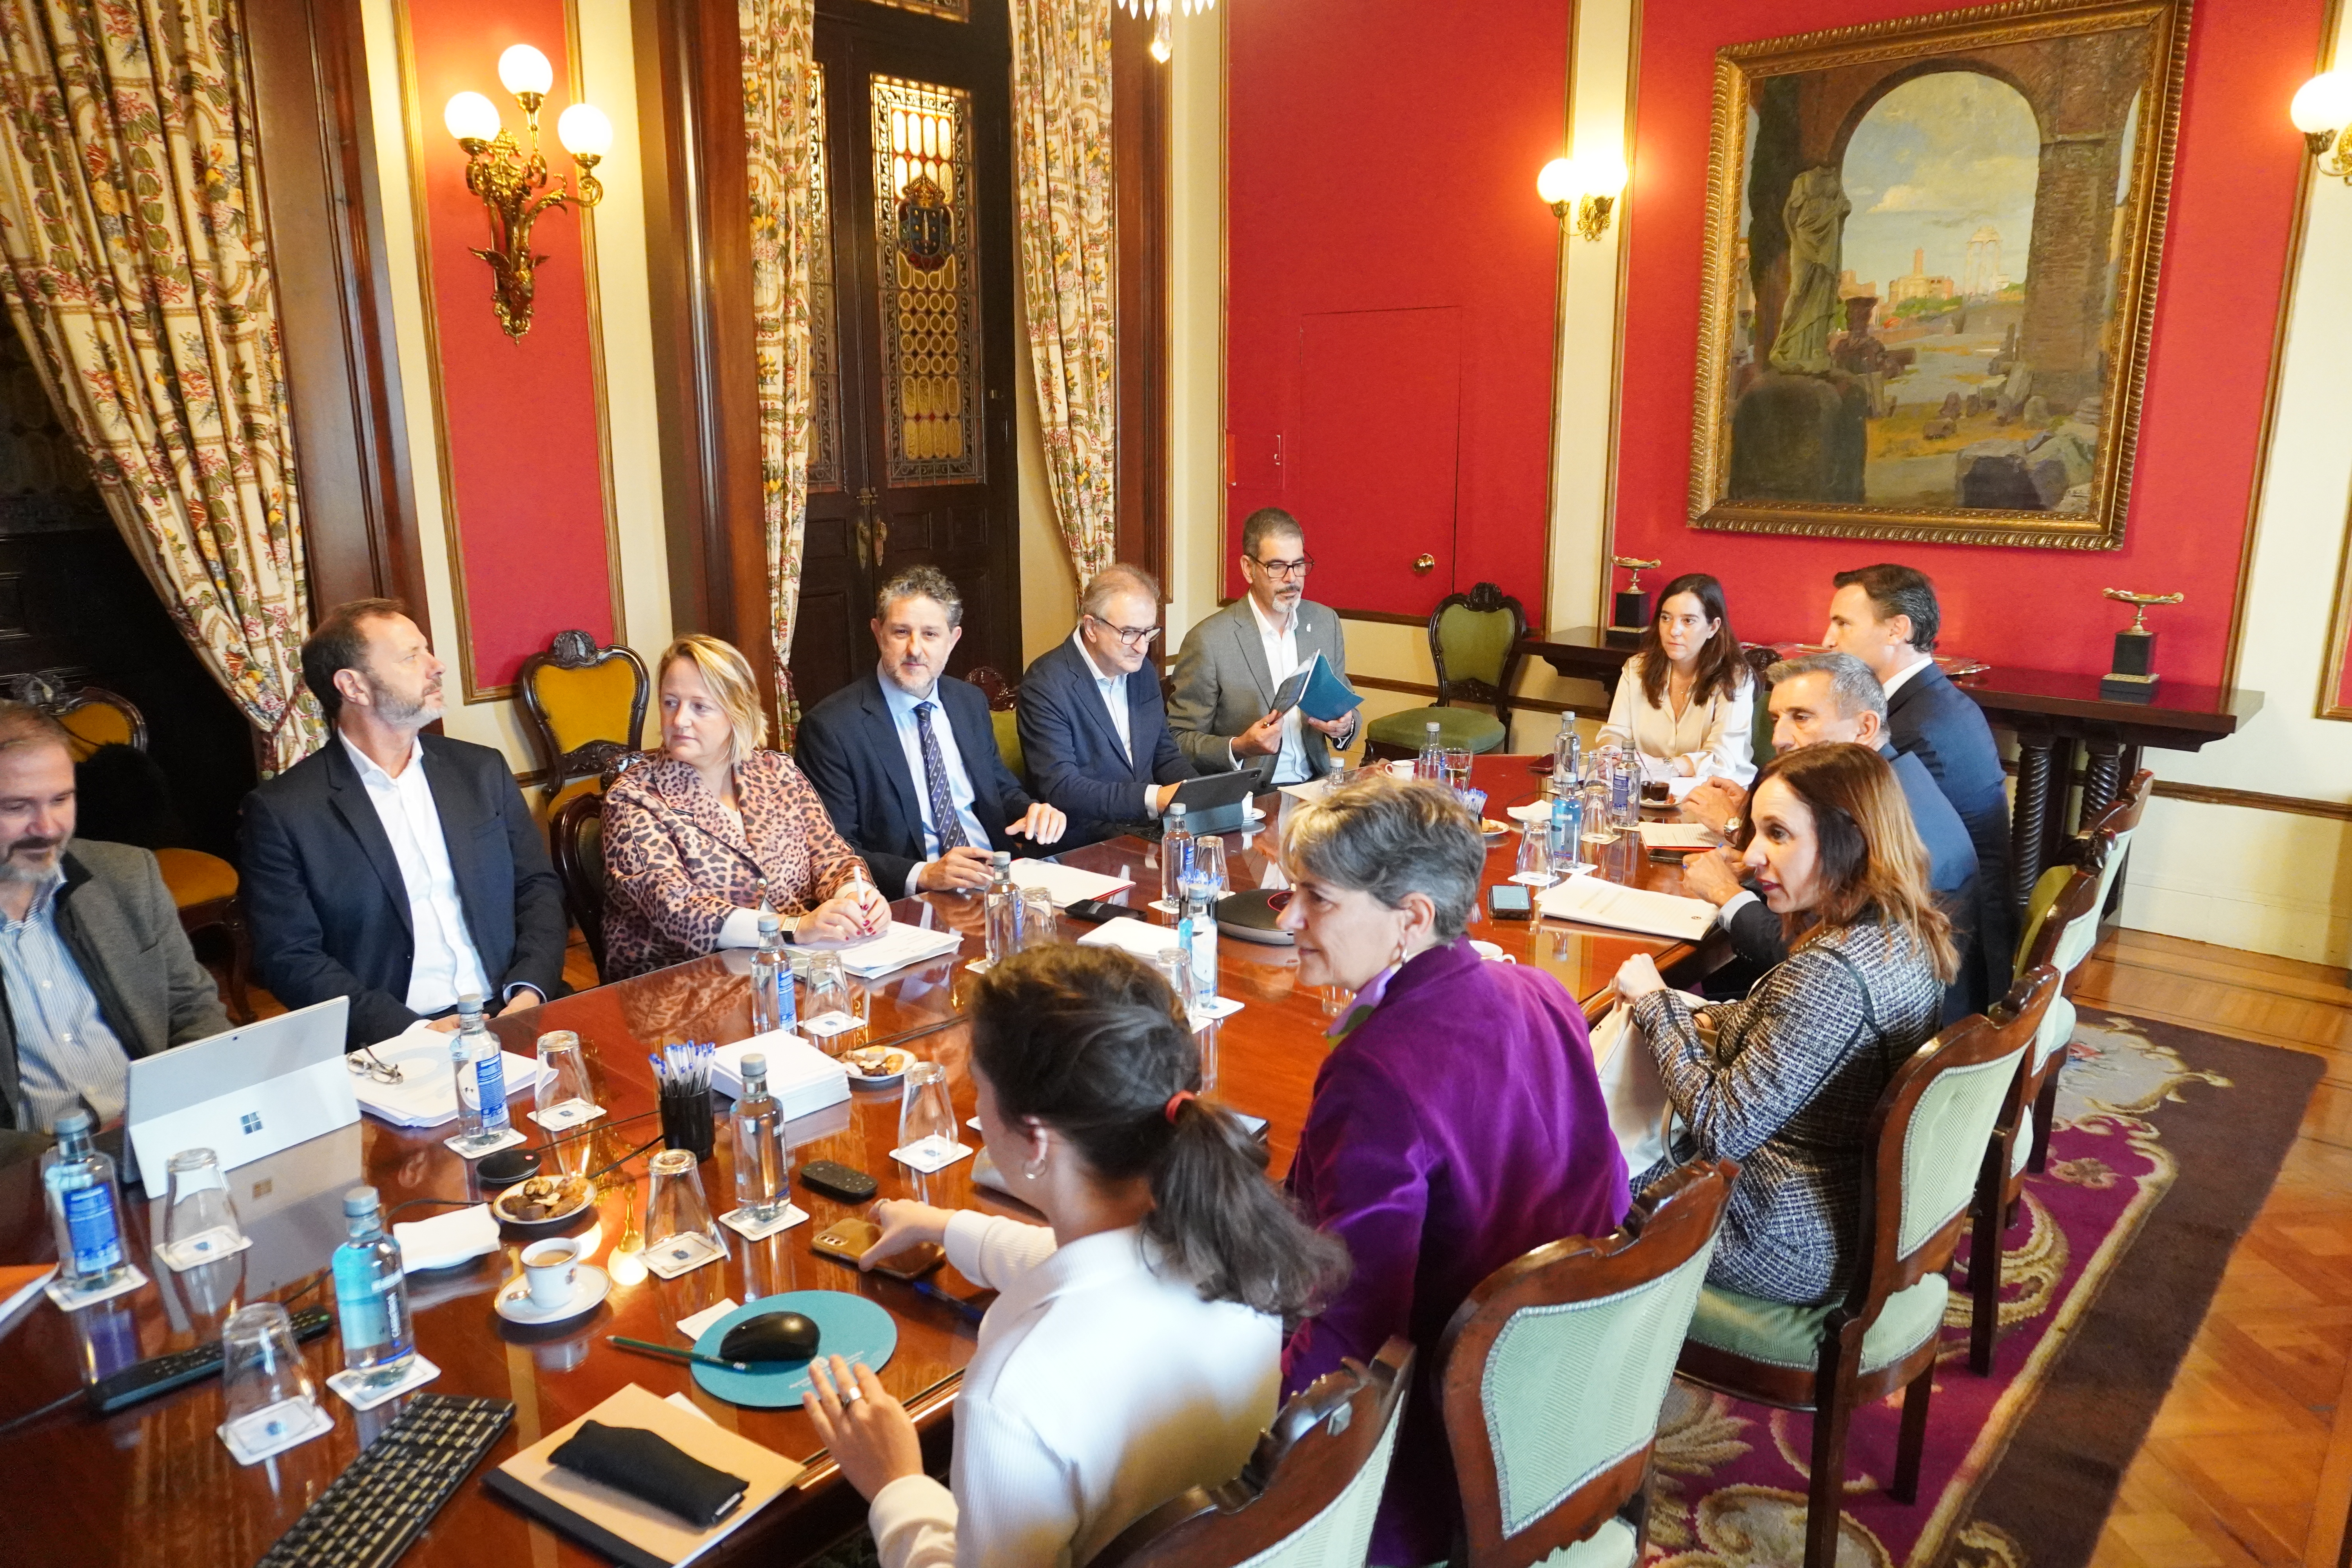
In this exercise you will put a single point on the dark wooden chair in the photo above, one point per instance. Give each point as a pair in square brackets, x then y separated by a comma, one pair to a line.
[1760, 658]
[585, 705]
[1559, 1363]
[1307, 1497]
[1004, 715]
[1923, 1159]
[576, 840]
[1474, 641]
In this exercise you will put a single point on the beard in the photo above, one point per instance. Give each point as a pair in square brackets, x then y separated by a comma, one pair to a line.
[401, 712]
[32, 858]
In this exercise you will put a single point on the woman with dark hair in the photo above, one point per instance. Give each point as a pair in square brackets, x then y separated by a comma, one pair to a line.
[1787, 1084]
[1456, 1123]
[1686, 701]
[1134, 1350]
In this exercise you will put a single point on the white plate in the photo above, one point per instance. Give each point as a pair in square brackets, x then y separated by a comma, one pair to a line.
[589, 1288]
[881, 1081]
[1533, 811]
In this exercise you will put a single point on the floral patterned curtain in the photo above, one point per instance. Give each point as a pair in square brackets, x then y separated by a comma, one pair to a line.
[138, 269]
[777, 106]
[1062, 158]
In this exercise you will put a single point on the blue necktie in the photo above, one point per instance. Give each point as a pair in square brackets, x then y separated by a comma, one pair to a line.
[935, 784]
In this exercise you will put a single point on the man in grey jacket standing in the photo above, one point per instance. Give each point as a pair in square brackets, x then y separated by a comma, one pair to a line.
[1233, 662]
[94, 968]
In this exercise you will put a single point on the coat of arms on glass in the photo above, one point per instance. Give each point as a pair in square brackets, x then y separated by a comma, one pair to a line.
[1931, 263]
[931, 322]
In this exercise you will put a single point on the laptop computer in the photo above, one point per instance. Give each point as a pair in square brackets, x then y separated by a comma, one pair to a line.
[243, 1094]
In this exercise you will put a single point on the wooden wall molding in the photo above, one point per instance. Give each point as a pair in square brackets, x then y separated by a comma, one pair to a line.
[1139, 179]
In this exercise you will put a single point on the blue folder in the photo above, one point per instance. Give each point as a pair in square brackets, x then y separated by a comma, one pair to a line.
[1317, 692]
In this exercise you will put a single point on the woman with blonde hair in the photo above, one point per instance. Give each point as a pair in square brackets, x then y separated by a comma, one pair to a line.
[1787, 1082]
[696, 834]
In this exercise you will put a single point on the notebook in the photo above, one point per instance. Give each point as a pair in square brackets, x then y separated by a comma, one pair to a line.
[1066, 885]
[1317, 692]
[1595, 901]
[901, 945]
[629, 1531]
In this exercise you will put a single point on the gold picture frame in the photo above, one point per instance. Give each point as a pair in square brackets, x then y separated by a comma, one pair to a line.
[1801, 423]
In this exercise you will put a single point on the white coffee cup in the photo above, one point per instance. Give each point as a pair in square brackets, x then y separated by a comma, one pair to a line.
[552, 1267]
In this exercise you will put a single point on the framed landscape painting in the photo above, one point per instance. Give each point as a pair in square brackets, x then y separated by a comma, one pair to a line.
[1931, 263]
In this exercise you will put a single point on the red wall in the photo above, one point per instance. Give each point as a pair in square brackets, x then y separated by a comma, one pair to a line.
[1383, 156]
[525, 471]
[2233, 194]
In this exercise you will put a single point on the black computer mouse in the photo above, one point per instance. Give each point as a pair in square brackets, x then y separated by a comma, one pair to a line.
[770, 1336]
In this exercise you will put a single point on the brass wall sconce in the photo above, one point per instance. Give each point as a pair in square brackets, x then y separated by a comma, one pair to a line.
[2322, 110]
[516, 187]
[1584, 190]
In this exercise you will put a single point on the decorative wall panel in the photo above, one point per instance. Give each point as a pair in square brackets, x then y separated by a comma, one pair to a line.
[929, 274]
[824, 326]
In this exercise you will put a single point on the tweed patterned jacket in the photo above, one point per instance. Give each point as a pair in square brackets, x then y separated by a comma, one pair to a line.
[1796, 1070]
[675, 863]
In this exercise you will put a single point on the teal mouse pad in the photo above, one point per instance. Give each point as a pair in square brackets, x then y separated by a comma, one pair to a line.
[848, 1326]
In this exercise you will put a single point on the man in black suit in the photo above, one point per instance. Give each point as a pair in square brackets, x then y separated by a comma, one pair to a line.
[1886, 616]
[398, 869]
[1094, 730]
[924, 802]
[1818, 699]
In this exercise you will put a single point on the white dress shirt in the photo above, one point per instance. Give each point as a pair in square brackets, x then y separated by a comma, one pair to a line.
[447, 966]
[1712, 736]
[1282, 660]
[1098, 1390]
[1113, 689]
[959, 789]
[1893, 683]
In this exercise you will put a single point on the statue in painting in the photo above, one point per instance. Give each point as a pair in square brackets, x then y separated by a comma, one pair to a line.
[1815, 215]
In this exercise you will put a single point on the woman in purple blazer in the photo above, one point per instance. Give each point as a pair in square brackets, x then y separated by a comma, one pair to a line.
[1456, 1123]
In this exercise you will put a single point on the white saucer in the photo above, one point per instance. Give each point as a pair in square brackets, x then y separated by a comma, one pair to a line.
[588, 1291]
[1533, 811]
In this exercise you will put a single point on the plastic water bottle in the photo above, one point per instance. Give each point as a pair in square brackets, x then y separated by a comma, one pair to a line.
[1196, 932]
[772, 1003]
[1175, 858]
[84, 1208]
[1567, 754]
[1566, 827]
[1431, 764]
[1624, 785]
[1000, 914]
[761, 1171]
[372, 1295]
[482, 1073]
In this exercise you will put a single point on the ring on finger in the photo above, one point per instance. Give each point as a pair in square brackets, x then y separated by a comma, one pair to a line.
[851, 1394]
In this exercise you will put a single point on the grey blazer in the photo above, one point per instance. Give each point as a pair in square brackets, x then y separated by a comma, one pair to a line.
[119, 921]
[1223, 685]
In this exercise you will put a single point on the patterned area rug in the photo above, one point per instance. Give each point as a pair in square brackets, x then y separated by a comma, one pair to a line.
[2168, 1140]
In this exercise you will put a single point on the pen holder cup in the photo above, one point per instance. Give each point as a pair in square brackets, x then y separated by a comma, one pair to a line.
[686, 1120]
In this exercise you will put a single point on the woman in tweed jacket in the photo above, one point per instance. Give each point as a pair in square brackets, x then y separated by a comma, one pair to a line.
[1788, 1080]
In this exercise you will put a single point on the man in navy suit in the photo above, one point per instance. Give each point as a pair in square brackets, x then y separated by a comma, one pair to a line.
[1094, 730]
[395, 867]
[1820, 700]
[1886, 616]
[906, 761]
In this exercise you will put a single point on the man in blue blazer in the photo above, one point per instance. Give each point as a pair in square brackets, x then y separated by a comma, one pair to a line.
[395, 867]
[904, 759]
[1886, 616]
[1094, 730]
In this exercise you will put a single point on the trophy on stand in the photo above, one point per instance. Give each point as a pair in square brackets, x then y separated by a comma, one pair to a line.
[2133, 679]
[1629, 610]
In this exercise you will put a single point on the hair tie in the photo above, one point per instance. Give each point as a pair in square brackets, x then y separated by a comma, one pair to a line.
[1176, 1102]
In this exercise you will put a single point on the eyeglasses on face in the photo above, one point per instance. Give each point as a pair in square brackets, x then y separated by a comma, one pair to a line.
[1285, 569]
[1133, 637]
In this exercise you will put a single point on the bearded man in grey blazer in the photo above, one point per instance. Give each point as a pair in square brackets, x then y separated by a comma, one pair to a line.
[1233, 662]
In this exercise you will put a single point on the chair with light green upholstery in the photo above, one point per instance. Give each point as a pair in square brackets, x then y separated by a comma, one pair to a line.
[586, 706]
[1474, 641]
[1555, 1370]
[1923, 1159]
[1308, 1493]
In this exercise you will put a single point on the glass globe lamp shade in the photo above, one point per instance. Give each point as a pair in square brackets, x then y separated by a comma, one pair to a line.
[470, 116]
[524, 69]
[2322, 103]
[584, 132]
[1556, 181]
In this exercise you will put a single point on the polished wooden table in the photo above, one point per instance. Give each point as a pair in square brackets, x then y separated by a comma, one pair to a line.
[154, 1484]
[2051, 714]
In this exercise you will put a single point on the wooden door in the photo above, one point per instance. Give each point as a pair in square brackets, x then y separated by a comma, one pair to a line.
[911, 442]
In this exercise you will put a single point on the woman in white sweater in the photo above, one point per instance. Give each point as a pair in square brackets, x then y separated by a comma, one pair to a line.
[1135, 1347]
[1686, 701]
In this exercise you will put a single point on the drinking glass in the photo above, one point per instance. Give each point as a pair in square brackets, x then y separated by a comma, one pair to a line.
[1040, 927]
[566, 1099]
[266, 1391]
[828, 987]
[1597, 829]
[1534, 856]
[1207, 874]
[201, 1223]
[927, 1123]
[1175, 966]
[679, 1231]
[1457, 767]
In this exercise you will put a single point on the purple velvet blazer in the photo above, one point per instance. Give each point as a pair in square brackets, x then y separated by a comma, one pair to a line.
[1457, 1126]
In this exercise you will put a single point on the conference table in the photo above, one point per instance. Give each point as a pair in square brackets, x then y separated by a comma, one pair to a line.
[154, 1484]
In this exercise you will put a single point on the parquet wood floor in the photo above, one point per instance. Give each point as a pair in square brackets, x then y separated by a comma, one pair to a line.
[2249, 1459]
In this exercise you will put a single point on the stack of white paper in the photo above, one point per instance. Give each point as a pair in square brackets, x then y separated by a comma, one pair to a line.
[426, 1095]
[801, 1077]
[1676, 836]
[1138, 937]
[1066, 884]
[1595, 901]
[897, 948]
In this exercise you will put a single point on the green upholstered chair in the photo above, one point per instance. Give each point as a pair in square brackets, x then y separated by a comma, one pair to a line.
[1474, 641]
[2100, 848]
[1003, 716]
[1554, 1372]
[587, 705]
[1923, 1159]
[1307, 1497]
[1760, 733]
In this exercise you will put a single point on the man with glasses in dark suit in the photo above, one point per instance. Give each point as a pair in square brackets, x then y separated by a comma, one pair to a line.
[1094, 730]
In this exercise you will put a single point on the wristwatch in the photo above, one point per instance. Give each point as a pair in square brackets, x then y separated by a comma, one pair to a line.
[1730, 828]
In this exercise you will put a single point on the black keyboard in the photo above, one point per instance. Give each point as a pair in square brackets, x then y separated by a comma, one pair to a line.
[390, 1492]
[148, 1379]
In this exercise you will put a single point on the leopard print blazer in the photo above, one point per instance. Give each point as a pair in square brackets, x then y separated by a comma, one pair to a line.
[676, 864]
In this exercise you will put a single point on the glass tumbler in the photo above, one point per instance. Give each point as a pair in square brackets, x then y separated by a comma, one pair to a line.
[566, 1099]
[1175, 966]
[1208, 866]
[1040, 925]
[679, 1231]
[266, 1391]
[1535, 854]
[201, 1223]
[1597, 829]
[828, 988]
[1457, 767]
[927, 1123]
